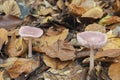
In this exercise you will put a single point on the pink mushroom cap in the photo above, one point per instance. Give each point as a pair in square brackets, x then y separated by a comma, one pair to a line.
[92, 39]
[27, 31]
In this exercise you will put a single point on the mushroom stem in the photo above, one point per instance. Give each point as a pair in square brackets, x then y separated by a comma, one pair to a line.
[91, 59]
[30, 48]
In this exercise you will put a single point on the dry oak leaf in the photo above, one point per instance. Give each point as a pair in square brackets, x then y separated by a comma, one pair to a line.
[77, 10]
[112, 53]
[3, 37]
[95, 13]
[54, 31]
[114, 71]
[113, 43]
[49, 40]
[9, 22]
[16, 47]
[22, 65]
[60, 49]
[10, 7]
[55, 63]
[45, 11]
[109, 20]
[95, 27]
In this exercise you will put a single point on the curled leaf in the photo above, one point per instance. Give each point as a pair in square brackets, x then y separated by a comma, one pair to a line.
[22, 65]
[16, 47]
[3, 37]
[10, 7]
[9, 22]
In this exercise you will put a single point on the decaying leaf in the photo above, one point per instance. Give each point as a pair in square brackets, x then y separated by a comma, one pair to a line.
[112, 53]
[95, 13]
[22, 65]
[95, 27]
[73, 73]
[45, 11]
[109, 20]
[16, 47]
[9, 22]
[55, 63]
[49, 40]
[76, 10]
[114, 71]
[10, 7]
[3, 37]
[54, 31]
[60, 4]
[113, 43]
[60, 49]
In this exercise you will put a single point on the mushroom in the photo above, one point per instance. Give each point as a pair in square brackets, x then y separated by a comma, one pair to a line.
[30, 33]
[92, 40]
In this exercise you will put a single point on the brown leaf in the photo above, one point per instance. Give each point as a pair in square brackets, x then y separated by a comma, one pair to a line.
[49, 40]
[1, 75]
[95, 27]
[9, 22]
[16, 47]
[53, 31]
[22, 65]
[60, 4]
[111, 20]
[45, 11]
[95, 13]
[76, 10]
[3, 37]
[112, 53]
[55, 63]
[10, 7]
[114, 71]
[60, 49]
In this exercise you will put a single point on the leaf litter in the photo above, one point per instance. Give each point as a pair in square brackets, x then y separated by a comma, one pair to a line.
[57, 55]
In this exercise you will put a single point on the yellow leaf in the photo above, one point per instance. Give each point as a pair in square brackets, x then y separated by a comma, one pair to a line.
[16, 47]
[3, 37]
[11, 7]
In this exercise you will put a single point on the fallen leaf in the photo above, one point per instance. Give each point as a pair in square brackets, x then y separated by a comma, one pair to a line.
[76, 10]
[16, 47]
[54, 31]
[49, 40]
[1, 75]
[60, 4]
[60, 49]
[8, 63]
[88, 4]
[3, 37]
[95, 27]
[95, 13]
[109, 20]
[55, 63]
[9, 22]
[114, 71]
[10, 7]
[45, 11]
[22, 65]
[112, 43]
[112, 53]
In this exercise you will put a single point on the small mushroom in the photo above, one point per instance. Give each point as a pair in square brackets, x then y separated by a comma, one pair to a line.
[92, 40]
[30, 33]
